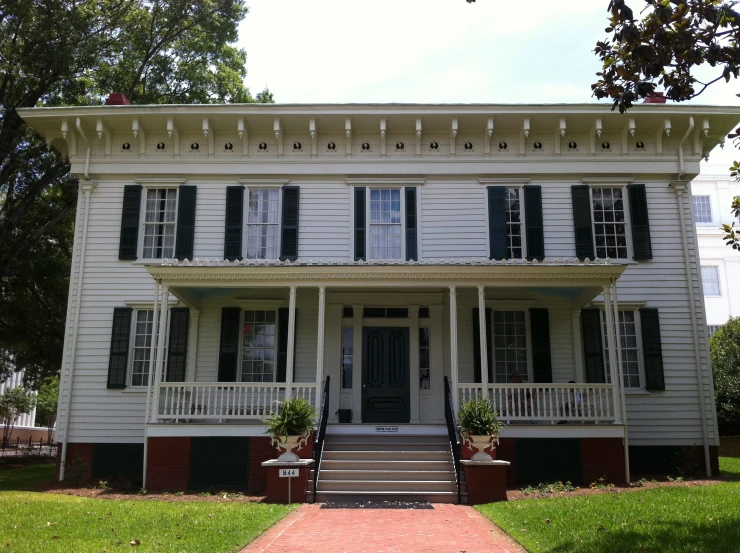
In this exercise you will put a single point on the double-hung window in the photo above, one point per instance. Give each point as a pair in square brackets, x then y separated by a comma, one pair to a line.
[510, 345]
[142, 346]
[609, 222]
[160, 220]
[263, 223]
[702, 209]
[386, 224]
[710, 280]
[630, 348]
[514, 219]
[259, 346]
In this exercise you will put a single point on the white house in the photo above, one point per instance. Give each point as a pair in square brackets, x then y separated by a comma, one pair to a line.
[385, 250]
[712, 192]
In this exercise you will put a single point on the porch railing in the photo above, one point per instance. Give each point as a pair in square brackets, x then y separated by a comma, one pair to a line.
[196, 401]
[553, 403]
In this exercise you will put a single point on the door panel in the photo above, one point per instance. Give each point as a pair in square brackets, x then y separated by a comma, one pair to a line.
[385, 375]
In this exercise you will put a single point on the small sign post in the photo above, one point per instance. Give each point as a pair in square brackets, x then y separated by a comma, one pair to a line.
[289, 474]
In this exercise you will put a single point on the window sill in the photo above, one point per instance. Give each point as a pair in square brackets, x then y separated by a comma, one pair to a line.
[636, 392]
[135, 390]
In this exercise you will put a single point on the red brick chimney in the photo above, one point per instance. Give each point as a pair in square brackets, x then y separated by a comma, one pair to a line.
[655, 98]
[117, 99]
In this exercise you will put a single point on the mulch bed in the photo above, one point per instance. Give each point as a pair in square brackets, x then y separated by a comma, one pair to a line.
[134, 495]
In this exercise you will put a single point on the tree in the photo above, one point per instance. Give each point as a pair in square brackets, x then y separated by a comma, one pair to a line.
[46, 403]
[665, 48]
[724, 347]
[75, 52]
[14, 402]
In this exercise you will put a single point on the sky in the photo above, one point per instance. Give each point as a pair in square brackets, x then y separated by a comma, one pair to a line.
[433, 51]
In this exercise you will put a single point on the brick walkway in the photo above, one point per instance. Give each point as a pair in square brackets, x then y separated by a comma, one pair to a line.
[443, 529]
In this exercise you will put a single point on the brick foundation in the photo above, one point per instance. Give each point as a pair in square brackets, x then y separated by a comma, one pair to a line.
[168, 464]
[672, 460]
[506, 451]
[260, 450]
[602, 457]
[79, 459]
[729, 446]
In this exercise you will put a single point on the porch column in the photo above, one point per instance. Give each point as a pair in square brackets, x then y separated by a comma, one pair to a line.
[320, 346]
[612, 347]
[483, 340]
[152, 358]
[621, 382]
[161, 338]
[578, 346]
[453, 347]
[192, 345]
[291, 345]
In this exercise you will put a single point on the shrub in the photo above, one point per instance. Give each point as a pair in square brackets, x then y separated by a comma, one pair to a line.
[478, 418]
[294, 417]
[724, 347]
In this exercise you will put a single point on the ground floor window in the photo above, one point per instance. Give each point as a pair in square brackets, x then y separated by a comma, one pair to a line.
[347, 356]
[142, 347]
[510, 345]
[259, 352]
[629, 347]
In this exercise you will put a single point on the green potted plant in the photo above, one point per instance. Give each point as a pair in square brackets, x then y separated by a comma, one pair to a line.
[479, 427]
[290, 426]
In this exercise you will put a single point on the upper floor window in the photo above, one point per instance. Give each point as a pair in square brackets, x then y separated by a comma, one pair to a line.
[703, 209]
[610, 227]
[160, 220]
[710, 279]
[629, 349]
[514, 223]
[263, 223]
[259, 346]
[386, 226]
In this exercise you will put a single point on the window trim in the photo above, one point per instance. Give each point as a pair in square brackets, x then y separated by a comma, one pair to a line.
[142, 219]
[703, 284]
[627, 217]
[240, 357]
[137, 308]
[711, 211]
[245, 218]
[640, 350]
[368, 207]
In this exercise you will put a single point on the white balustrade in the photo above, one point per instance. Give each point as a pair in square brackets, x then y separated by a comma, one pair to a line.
[553, 403]
[307, 392]
[197, 401]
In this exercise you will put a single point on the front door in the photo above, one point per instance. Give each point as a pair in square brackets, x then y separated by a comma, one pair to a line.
[385, 375]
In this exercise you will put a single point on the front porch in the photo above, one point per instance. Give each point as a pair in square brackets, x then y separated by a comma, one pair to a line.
[324, 313]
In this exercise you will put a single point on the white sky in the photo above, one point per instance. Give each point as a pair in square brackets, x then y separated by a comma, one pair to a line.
[433, 51]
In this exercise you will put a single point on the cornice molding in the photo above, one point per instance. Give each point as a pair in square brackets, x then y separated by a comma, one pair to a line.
[165, 181]
[504, 180]
[265, 181]
[608, 180]
[383, 181]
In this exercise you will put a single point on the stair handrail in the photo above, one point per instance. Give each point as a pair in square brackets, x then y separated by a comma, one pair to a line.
[452, 433]
[318, 445]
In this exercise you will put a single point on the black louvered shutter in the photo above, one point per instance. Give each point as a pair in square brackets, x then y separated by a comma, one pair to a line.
[652, 349]
[234, 223]
[360, 230]
[177, 351]
[534, 223]
[283, 319]
[581, 195]
[592, 346]
[477, 377]
[185, 222]
[411, 233]
[119, 340]
[641, 245]
[539, 322]
[229, 346]
[498, 238]
[289, 228]
[130, 222]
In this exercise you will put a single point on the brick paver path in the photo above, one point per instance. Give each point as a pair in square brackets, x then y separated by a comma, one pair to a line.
[443, 529]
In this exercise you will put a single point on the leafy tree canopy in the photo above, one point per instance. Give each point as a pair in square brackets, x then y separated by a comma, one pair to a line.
[724, 347]
[47, 401]
[14, 402]
[75, 52]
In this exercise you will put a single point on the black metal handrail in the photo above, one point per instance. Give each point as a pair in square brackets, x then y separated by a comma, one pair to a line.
[452, 433]
[318, 445]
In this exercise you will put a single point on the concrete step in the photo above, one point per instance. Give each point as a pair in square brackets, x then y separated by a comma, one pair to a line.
[388, 475]
[397, 455]
[384, 464]
[396, 486]
[397, 446]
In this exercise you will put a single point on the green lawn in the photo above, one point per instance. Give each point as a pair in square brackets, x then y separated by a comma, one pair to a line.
[53, 523]
[730, 467]
[700, 519]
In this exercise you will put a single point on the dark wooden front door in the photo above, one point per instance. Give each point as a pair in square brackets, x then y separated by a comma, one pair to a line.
[385, 375]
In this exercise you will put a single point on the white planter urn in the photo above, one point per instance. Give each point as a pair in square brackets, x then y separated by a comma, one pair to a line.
[481, 443]
[289, 443]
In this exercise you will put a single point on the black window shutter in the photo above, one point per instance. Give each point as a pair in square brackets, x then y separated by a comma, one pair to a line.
[130, 222]
[283, 318]
[641, 246]
[477, 377]
[360, 231]
[592, 346]
[533, 222]
[498, 239]
[652, 350]
[177, 351]
[411, 227]
[581, 195]
[539, 322]
[185, 222]
[229, 346]
[118, 360]
[234, 222]
[289, 227]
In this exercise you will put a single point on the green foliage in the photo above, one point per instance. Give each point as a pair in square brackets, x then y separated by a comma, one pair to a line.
[477, 418]
[75, 52]
[554, 487]
[732, 235]
[698, 519]
[724, 347]
[294, 417]
[47, 401]
[14, 402]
